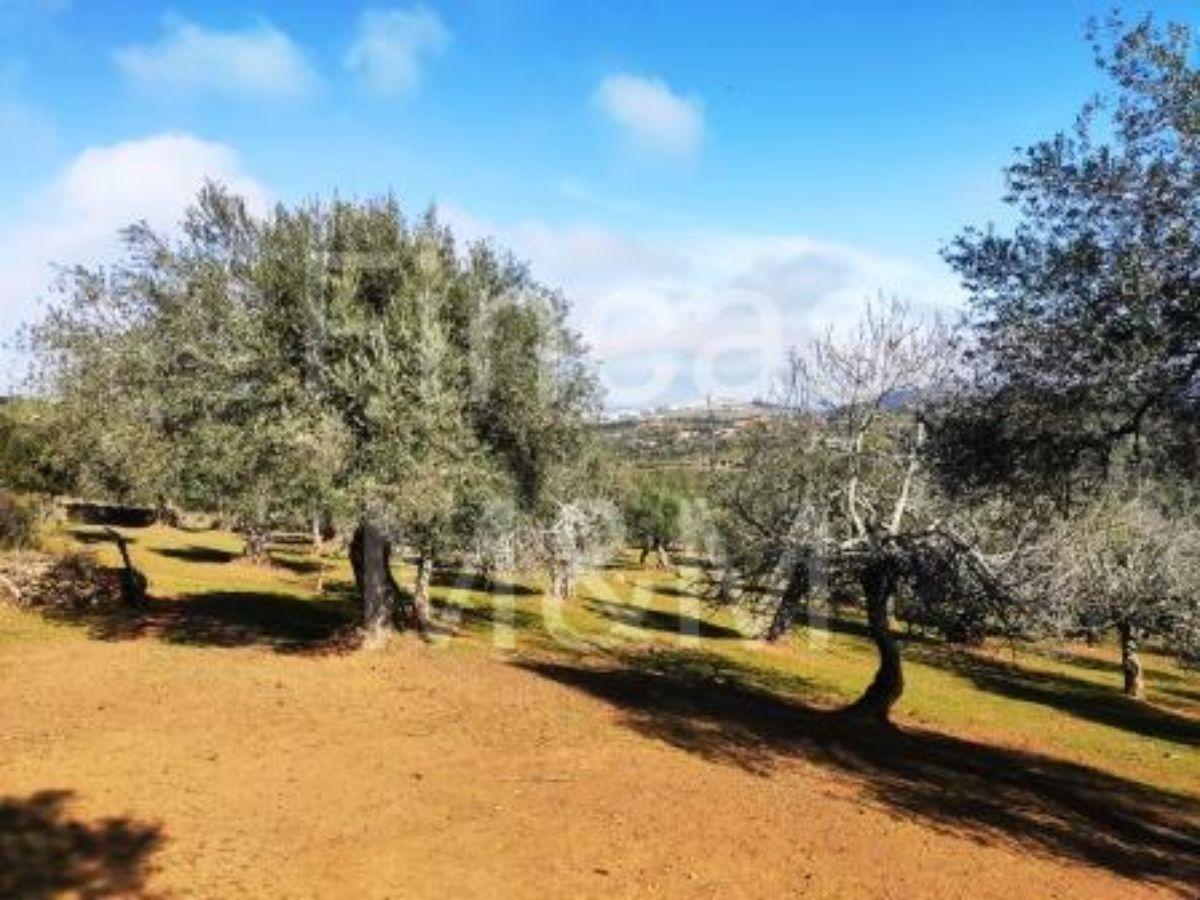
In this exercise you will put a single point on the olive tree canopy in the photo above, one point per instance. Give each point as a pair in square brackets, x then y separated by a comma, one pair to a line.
[333, 357]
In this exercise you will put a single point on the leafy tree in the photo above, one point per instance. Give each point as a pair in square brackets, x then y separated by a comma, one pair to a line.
[1086, 313]
[326, 359]
[1086, 319]
[493, 528]
[29, 462]
[20, 522]
[1124, 563]
[654, 516]
[581, 534]
[856, 505]
[769, 519]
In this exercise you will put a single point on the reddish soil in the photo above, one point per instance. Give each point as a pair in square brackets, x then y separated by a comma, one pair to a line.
[434, 772]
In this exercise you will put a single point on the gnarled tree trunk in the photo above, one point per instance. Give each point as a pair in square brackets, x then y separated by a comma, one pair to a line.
[879, 583]
[318, 550]
[791, 603]
[370, 558]
[316, 534]
[1131, 663]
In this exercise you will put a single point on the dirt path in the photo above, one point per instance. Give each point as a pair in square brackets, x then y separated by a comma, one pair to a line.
[423, 772]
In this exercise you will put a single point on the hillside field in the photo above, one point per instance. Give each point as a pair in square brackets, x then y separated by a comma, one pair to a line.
[629, 743]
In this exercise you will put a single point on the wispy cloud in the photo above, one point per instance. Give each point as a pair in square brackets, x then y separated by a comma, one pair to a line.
[652, 116]
[580, 192]
[393, 45]
[682, 315]
[260, 62]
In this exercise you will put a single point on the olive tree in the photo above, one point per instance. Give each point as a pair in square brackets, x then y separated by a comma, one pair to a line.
[1086, 311]
[856, 504]
[580, 534]
[332, 358]
[1125, 563]
[769, 520]
[654, 517]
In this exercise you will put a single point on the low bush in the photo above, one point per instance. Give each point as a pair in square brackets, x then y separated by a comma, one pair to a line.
[20, 522]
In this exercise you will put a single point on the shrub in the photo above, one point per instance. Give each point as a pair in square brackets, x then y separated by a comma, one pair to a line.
[19, 522]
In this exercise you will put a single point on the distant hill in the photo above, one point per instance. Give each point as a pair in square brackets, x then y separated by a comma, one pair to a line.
[696, 435]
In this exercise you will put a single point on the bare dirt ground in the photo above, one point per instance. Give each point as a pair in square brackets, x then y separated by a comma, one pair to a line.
[418, 771]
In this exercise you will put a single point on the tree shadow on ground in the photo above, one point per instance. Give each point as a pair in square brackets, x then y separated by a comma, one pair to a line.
[198, 553]
[225, 619]
[45, 854]
[299, 565]
[90, 536]
[659, 620]
[678, 593]
[480, 619]
[1186, 694]
[1156, 676]
[1074, 696]
[981, 792]
[469, 581]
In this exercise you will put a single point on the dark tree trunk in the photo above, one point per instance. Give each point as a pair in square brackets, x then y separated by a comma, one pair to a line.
[877, 701]
[419, 614]
[791, 603]
[725, 586]
[355, 552]
[370, 558]
[645, 553]
[1131, 663]
[164, 513]
[562, 585]
[133, 582]
[256, 546]
[487, 575]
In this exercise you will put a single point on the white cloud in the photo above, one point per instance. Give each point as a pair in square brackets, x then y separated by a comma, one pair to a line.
[260, 62]
[392, 46]
[678, 316]
[652, 116]
[77, 217]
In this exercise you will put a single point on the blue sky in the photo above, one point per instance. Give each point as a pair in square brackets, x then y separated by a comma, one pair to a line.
[709, 181]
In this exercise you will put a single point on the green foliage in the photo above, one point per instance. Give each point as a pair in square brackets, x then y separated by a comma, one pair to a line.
[654, 511]
[1086, 314]
[332, 358]
[29, 461]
